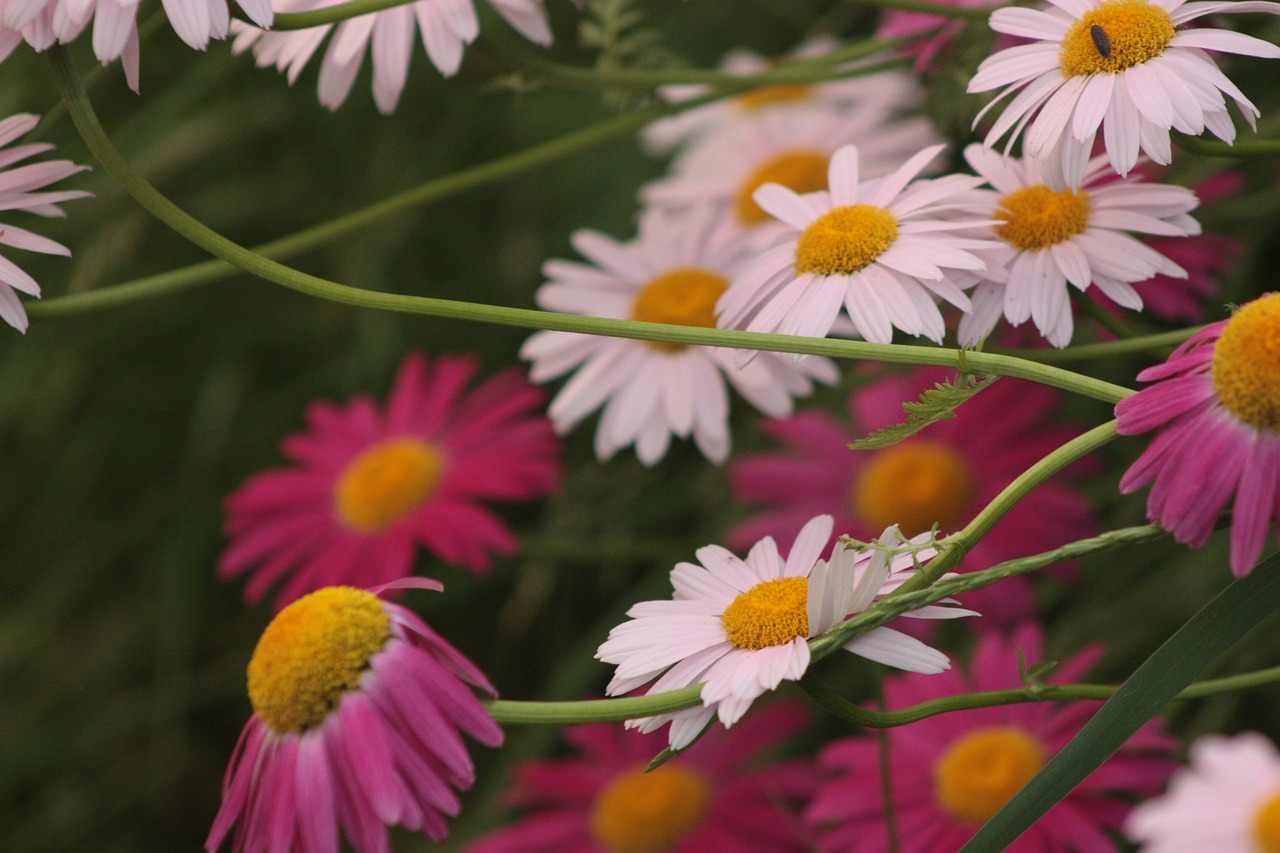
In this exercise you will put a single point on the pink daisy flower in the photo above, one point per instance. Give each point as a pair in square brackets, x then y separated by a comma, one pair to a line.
[371, 484]
[1125, 66]
[741, 627]
[716, 796]
[446, 28]
[1227, 800]
[943, 475]
[1216, 412]
[358, 710]
[949, 774]
[19, 190]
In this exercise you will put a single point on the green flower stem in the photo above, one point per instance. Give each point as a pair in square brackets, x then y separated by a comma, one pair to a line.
[1095, 312]
[1105, 349]
[942, 10]
[332, 14]
[592, 710]
[1240, 150]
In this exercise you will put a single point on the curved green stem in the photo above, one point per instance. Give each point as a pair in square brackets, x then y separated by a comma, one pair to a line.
[332, 14]
[1239, 150]
[942, 10]
[1103, 349]
[593, 710]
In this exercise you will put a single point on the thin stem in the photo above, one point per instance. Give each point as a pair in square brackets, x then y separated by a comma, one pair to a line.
[1095, 312]
[332, 14]
[942, 10]
[1103, 349]
[1239, 150]
[593, 710]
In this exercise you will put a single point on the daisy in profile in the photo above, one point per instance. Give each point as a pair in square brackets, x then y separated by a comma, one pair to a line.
[741, 627]
[446, 27]
[358, 714]
[1226, 800]
[950, 773]
[717, 795]
[370, 484]
[672, 272]
[943, 475]
[1129, 68]
[21, 189]
[1054, 239]
[1216, 411]
[876, 247]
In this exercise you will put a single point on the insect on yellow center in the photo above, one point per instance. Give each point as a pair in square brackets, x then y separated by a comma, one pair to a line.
[771, 613]
[1266, 825]
[642, 812]
[1114, 37]
[982, 771]
[915, 484]
[845, 240]
[803, 170]
[1037, 217]
[1246, 363]
[769, 96]
[386, 482]
[313, 652]
[685, 296]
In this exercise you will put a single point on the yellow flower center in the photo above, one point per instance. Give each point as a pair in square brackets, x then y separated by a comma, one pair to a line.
[314, 651]
[685, 296]
[846, 239]
[803, 171]
[913, 484]
[1037, 217]
[1266, 825]
[984, 769]
[768, 96]
[1246, 363]
[386, 482]
[1115, 37]
[642, 812]
[771, 613]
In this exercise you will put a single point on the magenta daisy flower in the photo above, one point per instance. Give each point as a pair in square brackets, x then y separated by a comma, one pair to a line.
[950, 773]
[1227, 800]
[943, 475]
[1128, 67]
[372, 484]
[716, 796]
[1216, 412]
[20, 190]
[358, 714]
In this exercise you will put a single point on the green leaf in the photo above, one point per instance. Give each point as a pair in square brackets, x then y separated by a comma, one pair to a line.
[936, 404]
[1206, 636]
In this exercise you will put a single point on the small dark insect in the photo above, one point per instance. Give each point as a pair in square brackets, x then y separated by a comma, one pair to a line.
[1101, 40]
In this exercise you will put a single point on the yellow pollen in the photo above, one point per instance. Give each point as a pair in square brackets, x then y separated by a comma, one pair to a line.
[1266, 825]
[768, 96]
[1037, 217]
[845, 240]
[915, 484]
[313, 652]
[642, 812]
[685, 296]
[771, 613]
[982, 771]
[1246, 363]
[803, 171]
[386, 482]
[1131, 32]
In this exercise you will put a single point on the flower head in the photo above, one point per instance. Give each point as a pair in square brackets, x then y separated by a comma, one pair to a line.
[20, 190]
[742, 627]
[1126, 67]
[446, 28]
[871, 246]
[672, 272]
[371, 484]
[1051, 239]
[1227, 800]
[714, 796]
[1216, 412]
[358, 714]
[950, 773]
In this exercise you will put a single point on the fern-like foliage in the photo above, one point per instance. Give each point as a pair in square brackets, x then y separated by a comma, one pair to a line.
[617, 29]
[935, 404]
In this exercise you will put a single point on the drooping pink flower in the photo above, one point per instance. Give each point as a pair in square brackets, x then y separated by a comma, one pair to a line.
[371, 484]
[358, 713]
[944, 474]
[715, 796]
[1216, 411]
[950, 773]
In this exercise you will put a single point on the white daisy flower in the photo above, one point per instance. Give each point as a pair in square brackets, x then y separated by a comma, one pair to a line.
[1051, 238]
[741, 627]
[672, 272]
[1123, 65]
[878, 247]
